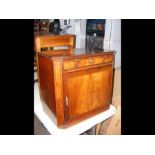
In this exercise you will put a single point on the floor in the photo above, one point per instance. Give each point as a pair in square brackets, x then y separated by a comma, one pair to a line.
[39, 128]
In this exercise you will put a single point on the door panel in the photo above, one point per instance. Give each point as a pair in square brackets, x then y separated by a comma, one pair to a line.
[87, 90]
[100, 88]
[78, 95]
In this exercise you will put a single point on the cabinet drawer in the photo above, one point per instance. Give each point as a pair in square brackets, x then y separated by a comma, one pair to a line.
[90, 61]
[109, 58]
[69, 65]
[85, 62]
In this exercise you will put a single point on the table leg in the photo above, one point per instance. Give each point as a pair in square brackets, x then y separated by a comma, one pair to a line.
[98, 127]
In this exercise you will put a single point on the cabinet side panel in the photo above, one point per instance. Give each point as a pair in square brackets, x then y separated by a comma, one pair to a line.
[58, 85]
[46, 82]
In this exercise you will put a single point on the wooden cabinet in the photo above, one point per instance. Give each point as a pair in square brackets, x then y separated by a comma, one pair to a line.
[75, 87]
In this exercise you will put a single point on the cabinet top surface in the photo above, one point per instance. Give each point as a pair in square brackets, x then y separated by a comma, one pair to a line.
[81, 52]
[47, 34]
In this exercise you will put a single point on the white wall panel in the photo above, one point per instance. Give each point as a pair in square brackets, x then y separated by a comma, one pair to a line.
[112, 40]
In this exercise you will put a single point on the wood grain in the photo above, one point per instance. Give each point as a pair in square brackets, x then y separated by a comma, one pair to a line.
[79, 86]
[48, 41]
[46, 82]
[58, 88]
[88, 89]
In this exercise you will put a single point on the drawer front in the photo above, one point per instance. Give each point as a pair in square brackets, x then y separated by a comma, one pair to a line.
[109, 58]
[69, 65]
[85, 62]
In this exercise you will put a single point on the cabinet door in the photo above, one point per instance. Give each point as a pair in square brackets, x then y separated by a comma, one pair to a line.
[87, 90]
[77, 93]
[100, 87]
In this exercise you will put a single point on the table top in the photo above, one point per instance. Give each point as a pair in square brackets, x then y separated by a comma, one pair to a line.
[44, 33]
[77, 52]
[73, 130]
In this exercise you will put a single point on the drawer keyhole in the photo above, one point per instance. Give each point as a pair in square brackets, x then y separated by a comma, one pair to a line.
[91, 61]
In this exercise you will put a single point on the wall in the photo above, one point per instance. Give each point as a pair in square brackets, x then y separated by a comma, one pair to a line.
[78, 28]
[116, 95]
[80, 32]
[112, 40]
[112, 126]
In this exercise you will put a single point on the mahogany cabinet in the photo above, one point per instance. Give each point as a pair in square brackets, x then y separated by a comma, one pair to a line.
[75, 87]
